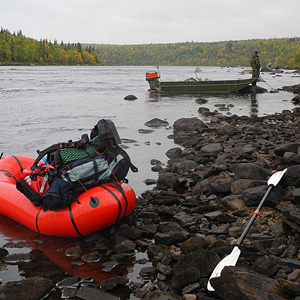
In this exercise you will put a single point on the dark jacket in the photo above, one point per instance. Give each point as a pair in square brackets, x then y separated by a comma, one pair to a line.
[255, 64]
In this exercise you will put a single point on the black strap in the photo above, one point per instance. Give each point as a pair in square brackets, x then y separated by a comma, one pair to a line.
[117, 199]
[124, 196]
[73, 221]
[43, 153]
[20, 165]
[36, 220]
[8, 174]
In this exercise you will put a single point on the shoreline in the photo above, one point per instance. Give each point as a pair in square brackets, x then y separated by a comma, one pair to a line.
[195, 214]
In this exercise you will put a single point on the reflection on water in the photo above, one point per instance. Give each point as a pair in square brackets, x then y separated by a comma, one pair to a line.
[254, 106]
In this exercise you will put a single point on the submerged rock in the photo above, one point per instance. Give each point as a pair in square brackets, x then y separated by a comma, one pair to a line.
[27, 289]
[156, 123]
[130, 97]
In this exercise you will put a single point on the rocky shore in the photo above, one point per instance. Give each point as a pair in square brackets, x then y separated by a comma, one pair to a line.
[202, 201]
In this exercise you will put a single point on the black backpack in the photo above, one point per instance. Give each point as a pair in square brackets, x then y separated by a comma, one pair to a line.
[101, 157]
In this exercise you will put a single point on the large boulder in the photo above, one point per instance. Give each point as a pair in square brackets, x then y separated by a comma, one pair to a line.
[188, 124]
[239, 283]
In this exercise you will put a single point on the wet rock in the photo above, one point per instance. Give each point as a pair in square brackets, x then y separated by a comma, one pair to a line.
[155, 162]
[156, 123]
[68, 292]
[27, 289]
[157, 295]
[68, 281]
[3, 253]
[212, 148]
[233, 202]
[213, 215]
[188, 124]
[186, 166]
[169, 238]
[174, 153]
[184, 277]
[150, 181]
[222, 185]
[109, 265]
[292, 212]
[294, 88]
[227, 129]
[296, 100]
[294, 276]
[125, 247]
[184, 219]
[249, 149]
[167, 180]
[203, 260]
[111, 283]
[16, 244]
[296, 195]
[234, 284]
[253, 90]
[291, 177]
[74, 252]
[164, 269]
[254, 195]
[91, 257]
[156, 168]
[130, 232]
[201, 100]
[267, 266]
[251, 171]
[148, 271]
[290, 263]
[238, 186]
[205, 112]
[146, 131]
[172, 226]
[203, 186]
[293, 147]
[291, 289]
[89, 293]
[194, 244]
[18, 258]
[130, 97]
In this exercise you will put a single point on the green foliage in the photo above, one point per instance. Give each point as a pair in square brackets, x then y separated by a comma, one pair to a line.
[17, 49]
[284, 52]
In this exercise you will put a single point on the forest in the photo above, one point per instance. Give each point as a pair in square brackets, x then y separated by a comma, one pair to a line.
[283, 52]
[17, 49]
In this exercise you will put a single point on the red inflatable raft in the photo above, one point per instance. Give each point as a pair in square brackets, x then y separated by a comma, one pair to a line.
[99, 207]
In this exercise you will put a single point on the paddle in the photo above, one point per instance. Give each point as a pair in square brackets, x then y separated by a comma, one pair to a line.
[231, 259]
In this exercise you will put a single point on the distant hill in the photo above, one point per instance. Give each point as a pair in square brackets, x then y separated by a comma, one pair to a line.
[284, 52]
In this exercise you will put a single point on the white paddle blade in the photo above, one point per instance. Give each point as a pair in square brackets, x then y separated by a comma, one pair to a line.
[229, 260]
[276, 177]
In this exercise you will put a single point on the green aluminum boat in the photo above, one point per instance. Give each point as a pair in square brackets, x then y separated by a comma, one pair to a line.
[195, 86]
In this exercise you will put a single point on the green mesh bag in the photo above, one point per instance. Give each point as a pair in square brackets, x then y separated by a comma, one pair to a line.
[71, 154]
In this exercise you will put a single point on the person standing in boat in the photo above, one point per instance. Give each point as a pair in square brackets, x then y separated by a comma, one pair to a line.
[255, 65]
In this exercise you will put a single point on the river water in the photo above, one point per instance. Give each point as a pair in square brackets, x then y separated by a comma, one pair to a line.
[44, 105]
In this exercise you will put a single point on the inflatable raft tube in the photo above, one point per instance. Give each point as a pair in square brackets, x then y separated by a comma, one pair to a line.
[98, 207]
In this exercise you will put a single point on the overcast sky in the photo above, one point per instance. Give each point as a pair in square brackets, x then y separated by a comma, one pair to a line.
[151, 21]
